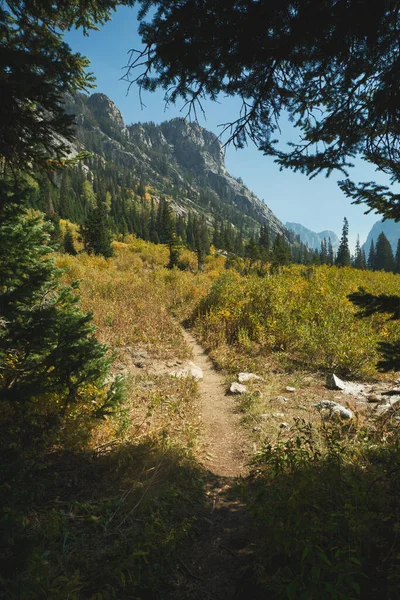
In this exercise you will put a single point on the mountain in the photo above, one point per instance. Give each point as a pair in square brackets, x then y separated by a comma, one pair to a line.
[180, 160]
[390, 228]
[311, 239]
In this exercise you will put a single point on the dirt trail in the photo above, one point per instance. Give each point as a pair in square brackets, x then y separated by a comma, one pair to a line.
[225, 444]
[218, 565]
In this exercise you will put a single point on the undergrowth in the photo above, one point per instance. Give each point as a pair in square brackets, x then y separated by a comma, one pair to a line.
[326, 510]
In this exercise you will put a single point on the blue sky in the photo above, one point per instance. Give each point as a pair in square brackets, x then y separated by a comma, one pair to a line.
[317, 204]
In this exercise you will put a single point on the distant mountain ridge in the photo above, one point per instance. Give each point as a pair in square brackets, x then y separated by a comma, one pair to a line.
[390, 228]
[311, 238]
[179, 159]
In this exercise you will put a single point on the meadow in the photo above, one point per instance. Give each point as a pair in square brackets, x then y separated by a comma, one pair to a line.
[111, 499]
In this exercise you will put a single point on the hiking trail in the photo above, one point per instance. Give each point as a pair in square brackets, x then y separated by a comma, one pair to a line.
[219, 563]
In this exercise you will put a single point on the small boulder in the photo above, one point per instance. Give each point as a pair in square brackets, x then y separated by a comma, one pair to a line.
[278, 415]
[121, 367]
[191, 370]
[140, 363]
[334, 408]
[288, 388]
[334, 383]
[243, 377]
[284, 425]
[237, 388]
[343, 412]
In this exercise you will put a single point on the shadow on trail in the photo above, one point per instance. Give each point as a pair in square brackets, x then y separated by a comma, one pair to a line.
[144, 521]
[134, 521]
[219, 561]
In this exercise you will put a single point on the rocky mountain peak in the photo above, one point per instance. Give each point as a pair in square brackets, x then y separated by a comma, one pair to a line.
[313, 239]
[105, 110]
[179, 159]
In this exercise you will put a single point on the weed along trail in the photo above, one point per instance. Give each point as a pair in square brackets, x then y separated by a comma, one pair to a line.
[218, 564]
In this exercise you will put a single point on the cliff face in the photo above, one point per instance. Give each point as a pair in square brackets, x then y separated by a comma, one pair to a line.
[177, 158]
[311, 238]
[390, 228]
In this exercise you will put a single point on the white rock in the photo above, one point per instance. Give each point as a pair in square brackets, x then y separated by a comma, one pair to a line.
[290, 389]
[191, 370]
[334, 383]
[237, 388]
[284, 425]
[278, 415]
[343, 412]
[335, 408]
[243, 377]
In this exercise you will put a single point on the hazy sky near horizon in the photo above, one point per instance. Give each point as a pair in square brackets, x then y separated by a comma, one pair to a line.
[317, 204]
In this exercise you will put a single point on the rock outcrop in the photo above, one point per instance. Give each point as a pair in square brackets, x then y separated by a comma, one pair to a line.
[177, 158]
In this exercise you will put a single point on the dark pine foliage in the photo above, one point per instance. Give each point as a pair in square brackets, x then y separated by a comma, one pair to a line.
[331, 66]
[343, 254]
[384, 260]
[48, 353]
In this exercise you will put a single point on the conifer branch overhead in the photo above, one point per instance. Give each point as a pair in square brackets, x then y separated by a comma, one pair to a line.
[331, 66]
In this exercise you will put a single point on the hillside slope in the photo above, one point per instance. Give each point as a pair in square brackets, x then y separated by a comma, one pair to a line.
[179, 159]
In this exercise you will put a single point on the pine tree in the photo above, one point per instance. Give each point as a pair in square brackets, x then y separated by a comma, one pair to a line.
[216, 237]
[238, 244]
[65, 205]
[48, 354]
[252, 251]
[202, 242]
[343, 254]
[359, 258]
[55, 232]
[323, 254]
[167, 231]
[264, 243]
[384, 260]
[264, 240]
[371, 257]
[280, 252]
[331, 256]
[69, 247]
[95, 232]
[364, 260]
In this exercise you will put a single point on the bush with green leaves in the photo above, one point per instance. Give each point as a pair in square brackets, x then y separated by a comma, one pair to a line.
[325, 504]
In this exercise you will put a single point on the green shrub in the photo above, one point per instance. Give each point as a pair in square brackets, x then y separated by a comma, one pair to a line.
[326, 513]
[304, 314]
